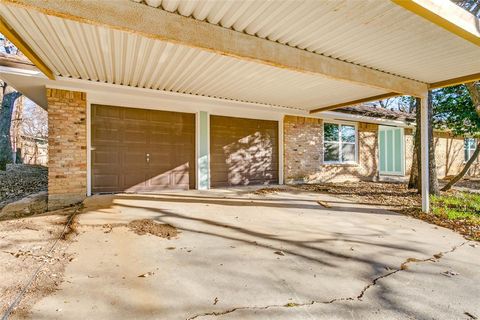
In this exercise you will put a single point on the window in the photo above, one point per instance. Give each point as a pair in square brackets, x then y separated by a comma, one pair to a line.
[339, 143]
[470, 146]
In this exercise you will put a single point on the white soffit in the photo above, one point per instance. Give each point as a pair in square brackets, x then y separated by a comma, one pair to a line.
[372, 33]
[84, 51]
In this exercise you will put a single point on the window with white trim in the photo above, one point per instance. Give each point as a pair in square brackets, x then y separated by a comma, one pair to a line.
[470, 145]
[339, 143]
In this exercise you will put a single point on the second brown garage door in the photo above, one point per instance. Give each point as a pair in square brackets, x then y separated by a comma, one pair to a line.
[142, 150]
[243, 151]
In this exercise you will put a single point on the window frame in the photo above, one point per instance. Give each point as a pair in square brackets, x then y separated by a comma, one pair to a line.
[340, 142]
[469, 150]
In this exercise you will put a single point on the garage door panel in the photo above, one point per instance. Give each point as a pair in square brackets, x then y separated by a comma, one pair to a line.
[106, 157]
[134, 159]
[139, 115]
[136, 136]
[243, 151]
[134, 181]
[106, 180]
[107, 135]
[107, 112]
[121, 140]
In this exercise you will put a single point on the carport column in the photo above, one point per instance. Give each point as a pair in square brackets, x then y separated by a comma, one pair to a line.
[67, 147]
[424, 150]
[203, 150]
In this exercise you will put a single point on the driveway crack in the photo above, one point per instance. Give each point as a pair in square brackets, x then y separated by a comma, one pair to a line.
[359, 297]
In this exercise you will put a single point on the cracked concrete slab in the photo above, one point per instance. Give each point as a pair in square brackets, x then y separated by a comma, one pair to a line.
[223, 263]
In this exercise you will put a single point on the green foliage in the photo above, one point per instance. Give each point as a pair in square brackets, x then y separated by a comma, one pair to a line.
[453, 109]
[461, 205]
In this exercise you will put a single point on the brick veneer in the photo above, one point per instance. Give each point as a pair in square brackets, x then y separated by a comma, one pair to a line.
[303, 159]
[67, 147]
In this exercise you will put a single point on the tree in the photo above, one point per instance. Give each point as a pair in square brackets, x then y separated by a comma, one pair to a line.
[414, 181]
[432, 163]
[457, 108]
[474, 91]
[9, 96]
[472, 6]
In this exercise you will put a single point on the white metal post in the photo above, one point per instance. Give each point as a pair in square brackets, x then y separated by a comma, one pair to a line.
[424, 147]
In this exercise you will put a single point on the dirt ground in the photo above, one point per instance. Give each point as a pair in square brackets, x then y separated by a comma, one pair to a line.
[398, 198]
[20, 181]
[25, 245]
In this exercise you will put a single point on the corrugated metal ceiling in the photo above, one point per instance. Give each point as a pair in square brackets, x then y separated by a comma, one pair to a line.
[372, 33]
[84, 51]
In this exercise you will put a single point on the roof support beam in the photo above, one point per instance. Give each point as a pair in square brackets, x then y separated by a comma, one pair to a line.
[447, 15]
[24, 48]
[158, 24]
[454, 81]
[355, 102]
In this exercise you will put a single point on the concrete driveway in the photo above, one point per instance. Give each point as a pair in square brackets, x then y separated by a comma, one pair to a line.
[276, 256]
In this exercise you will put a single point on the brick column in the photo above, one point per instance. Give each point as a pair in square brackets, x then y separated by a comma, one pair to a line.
[67, 147]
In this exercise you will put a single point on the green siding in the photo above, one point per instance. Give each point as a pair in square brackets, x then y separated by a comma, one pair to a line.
[398, 150]
[382, 151]
[391, 150]
[203, 168]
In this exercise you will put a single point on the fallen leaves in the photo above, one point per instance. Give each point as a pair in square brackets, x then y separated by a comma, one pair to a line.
[265, 191]
[324, 204]
[391, 194]
[20, 181]
[145, 275]
[149, 226]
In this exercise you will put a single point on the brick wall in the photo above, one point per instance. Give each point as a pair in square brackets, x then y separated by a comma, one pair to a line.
[303, 145]
[303, 158]
[67, 147]
[449, 154]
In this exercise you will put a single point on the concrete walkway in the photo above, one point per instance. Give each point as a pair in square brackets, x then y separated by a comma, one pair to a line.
[278, 256]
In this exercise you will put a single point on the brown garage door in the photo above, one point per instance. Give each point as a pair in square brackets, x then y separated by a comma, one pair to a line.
[142, 150]
[243, 151]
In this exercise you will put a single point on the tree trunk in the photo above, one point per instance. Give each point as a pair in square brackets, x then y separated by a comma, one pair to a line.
[6, 110]
[15, 129]
[474, 95]
[432, 164]
[462, 173]
[414, 181]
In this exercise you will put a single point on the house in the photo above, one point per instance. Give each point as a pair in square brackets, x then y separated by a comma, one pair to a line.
[380, 147]
[154, 95]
